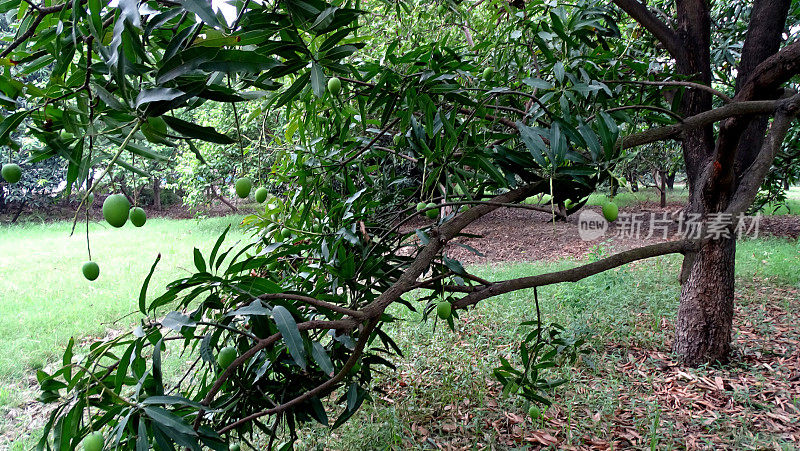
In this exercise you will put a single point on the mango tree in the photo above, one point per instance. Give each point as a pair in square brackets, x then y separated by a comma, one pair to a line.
[300, 312]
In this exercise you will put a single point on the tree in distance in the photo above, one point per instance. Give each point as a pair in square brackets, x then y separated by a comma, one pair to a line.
[610, 211]
[444, 309]
[335, 86]
[91, 270]
[137, 216]
[226, 356]
[93, 442]
[116, 209]
[434, 212]
[243, 186]
[11, 173]
[261, 195]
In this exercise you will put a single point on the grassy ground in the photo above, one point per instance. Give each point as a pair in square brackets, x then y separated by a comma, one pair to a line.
[443, 394]
[44, 298]
[680, 194]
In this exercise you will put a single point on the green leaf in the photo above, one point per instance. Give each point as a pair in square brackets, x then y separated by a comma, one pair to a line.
[199, 262]
[317, 80]
[322, 358]
[143, 291]
[157, 95]
[195, 151]
[203, 9]
[215, 249]
[171, 401]
[454, 265]
[9, 124]
[169, 420]
[293, 90]
[141, 437]
[291, 334]
[176, 321]
[200, 132]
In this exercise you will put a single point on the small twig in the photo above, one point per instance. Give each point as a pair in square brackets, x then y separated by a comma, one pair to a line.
[687, 84]
[105, 171]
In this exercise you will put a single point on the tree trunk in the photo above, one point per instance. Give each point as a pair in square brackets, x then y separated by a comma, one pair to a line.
[786, 184]
[156, 194]
[632, 179]
[663, 188]
[671, 180]
[19, 212]
[614, 187]
[705, 315]
[3, 197]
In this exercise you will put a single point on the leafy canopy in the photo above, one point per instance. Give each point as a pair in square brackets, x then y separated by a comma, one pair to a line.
[304, 304]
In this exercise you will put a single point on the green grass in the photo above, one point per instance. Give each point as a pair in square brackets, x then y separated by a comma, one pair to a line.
[44, 298]
[624, 197]
[790, 207]
[619, 309]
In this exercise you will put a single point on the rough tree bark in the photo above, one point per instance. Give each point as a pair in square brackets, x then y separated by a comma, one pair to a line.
[715, 167]
[156, 194]
[671, 180]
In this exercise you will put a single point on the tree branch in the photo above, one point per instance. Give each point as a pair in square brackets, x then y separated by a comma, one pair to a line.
[576, 274]
[755, 173]
[772, 73]
[21, 38]
[687, 84]
[699, 120]
[666, 35]
[263, 344]
[318, 390]
[642, 107]
[315, 302]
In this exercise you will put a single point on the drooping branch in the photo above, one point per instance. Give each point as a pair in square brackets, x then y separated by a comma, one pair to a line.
[318, 390]
[686, 84]
[699, 120]
[754, 175]
[641, 14]
[578, 273]
[438, 239]
[642, 107]
[312, 301]
[772, 73]
[24, 36]
[42, 12]
[263, 344]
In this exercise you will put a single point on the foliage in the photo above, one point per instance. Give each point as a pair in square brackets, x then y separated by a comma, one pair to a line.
[305, 303]
[40, 182]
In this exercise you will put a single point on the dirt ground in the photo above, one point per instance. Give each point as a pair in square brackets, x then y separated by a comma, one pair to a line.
[527, 235]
